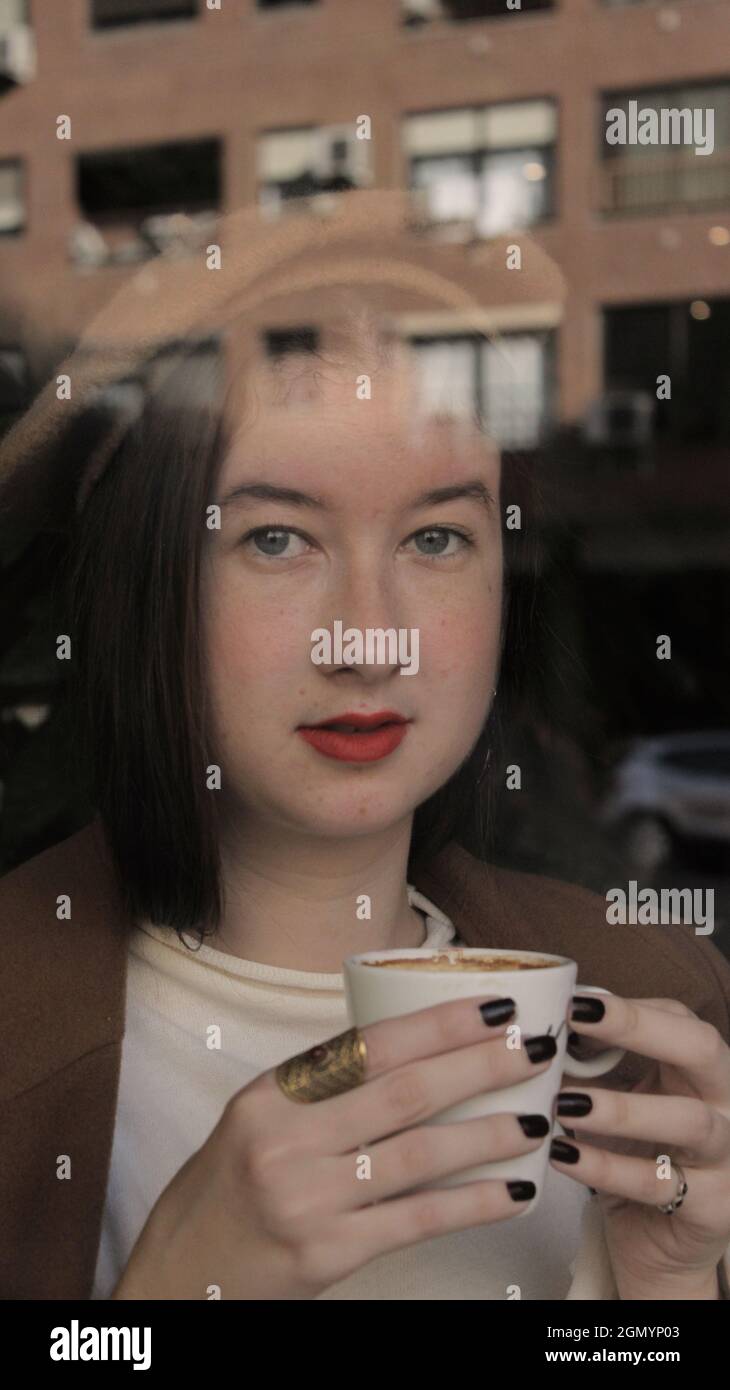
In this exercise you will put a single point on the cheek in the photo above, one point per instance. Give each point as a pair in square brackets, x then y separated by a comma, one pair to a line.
[464, 641]
[251, 643]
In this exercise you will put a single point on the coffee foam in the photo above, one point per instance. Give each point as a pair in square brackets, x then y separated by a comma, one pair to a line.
[454, 961]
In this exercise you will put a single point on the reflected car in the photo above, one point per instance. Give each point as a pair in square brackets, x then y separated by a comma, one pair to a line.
[668, 795]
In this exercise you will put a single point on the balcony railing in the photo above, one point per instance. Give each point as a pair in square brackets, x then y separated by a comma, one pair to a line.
[646, 183]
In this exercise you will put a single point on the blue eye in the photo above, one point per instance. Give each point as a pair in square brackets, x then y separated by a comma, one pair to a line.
[274, 536]
[273, 542]
[441, 534]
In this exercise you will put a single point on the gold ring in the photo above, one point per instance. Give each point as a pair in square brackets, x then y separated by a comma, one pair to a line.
[326, 1070]
[682, 1190]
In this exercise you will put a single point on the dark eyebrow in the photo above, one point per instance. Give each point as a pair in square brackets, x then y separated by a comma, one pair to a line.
[270, 492]
[476, 489]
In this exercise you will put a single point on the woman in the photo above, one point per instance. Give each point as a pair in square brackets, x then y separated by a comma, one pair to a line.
[175, 963]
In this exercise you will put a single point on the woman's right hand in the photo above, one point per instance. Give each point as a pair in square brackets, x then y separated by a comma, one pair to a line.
[271, 1206]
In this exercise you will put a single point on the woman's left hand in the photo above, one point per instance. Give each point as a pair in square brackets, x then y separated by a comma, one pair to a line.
[681, 1109]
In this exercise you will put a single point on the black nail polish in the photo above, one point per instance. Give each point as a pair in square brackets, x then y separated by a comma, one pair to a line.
[497, 1011]
[534, 1126]
[564, 1152]
[586, 1009]
[521, 1191]
[574, 1040]
[539, 1049]
[574, 1103]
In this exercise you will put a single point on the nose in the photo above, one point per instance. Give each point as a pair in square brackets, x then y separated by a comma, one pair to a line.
[366, 625]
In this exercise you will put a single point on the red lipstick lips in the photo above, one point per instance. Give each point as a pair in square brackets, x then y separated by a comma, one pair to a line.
[358, 738]
[360, 721]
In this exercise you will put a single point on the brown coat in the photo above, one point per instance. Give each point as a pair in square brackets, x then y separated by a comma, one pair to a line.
[62, 1016]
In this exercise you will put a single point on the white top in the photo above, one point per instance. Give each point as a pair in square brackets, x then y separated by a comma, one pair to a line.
[173, 1087]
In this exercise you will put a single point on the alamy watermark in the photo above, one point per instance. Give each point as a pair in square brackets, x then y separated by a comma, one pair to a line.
[83, 1343]
[661, 907]
[353, 647]
[670, 125]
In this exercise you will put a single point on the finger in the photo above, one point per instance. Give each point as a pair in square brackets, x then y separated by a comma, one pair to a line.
[395, 1042]
[638, 1180]
[668, 1006]
[592, 1047]
[430, 1032]
[684, 1041]
[411, 1094]
[421, 1155]
[696, 1131]
[404, 1221]
[426, 1032]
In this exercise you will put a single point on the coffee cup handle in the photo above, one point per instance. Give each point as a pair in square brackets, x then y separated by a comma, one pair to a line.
[595, 1066]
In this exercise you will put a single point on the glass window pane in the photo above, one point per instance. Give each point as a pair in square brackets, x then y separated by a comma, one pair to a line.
[514, 390]
[172, 177]
[453, 190]
[12, 12]
[12, 214]
[445, 377]
[515, 124]
[699, 97]
[285, 154]
[441, 132]
[514, 190]
[112, 12]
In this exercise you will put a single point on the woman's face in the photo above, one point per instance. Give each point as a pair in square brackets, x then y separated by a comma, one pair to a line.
[361, 550]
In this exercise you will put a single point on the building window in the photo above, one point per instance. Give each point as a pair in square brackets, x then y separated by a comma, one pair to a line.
[417, 12]
[304, 162]
[624, 4]
[18, 59]
[146, 200]
[506, 383]
[279, 342]
[491, 167]
[13, 380]
[150, 178]
[12, 14]
[664, 148]
[109, 14]
[12, 197]
[686, 341]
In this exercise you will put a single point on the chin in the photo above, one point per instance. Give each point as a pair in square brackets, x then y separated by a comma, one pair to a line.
[338, 821]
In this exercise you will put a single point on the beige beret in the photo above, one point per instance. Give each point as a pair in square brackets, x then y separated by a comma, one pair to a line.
[358, 238]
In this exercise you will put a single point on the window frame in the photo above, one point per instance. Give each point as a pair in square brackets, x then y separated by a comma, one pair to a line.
[141, 21]
[97, 218]
[415, 24]
[478, 343]
[677, 93]
[551, 150]
[272, 8]
[21, 163]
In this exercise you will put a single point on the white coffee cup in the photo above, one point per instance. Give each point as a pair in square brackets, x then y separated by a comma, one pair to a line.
[542, 995]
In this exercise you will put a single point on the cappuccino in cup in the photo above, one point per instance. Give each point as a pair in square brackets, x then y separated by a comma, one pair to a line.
[388, 984]
[459, 960]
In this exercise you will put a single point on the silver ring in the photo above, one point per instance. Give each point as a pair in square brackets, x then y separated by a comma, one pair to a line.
[677, 1201]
